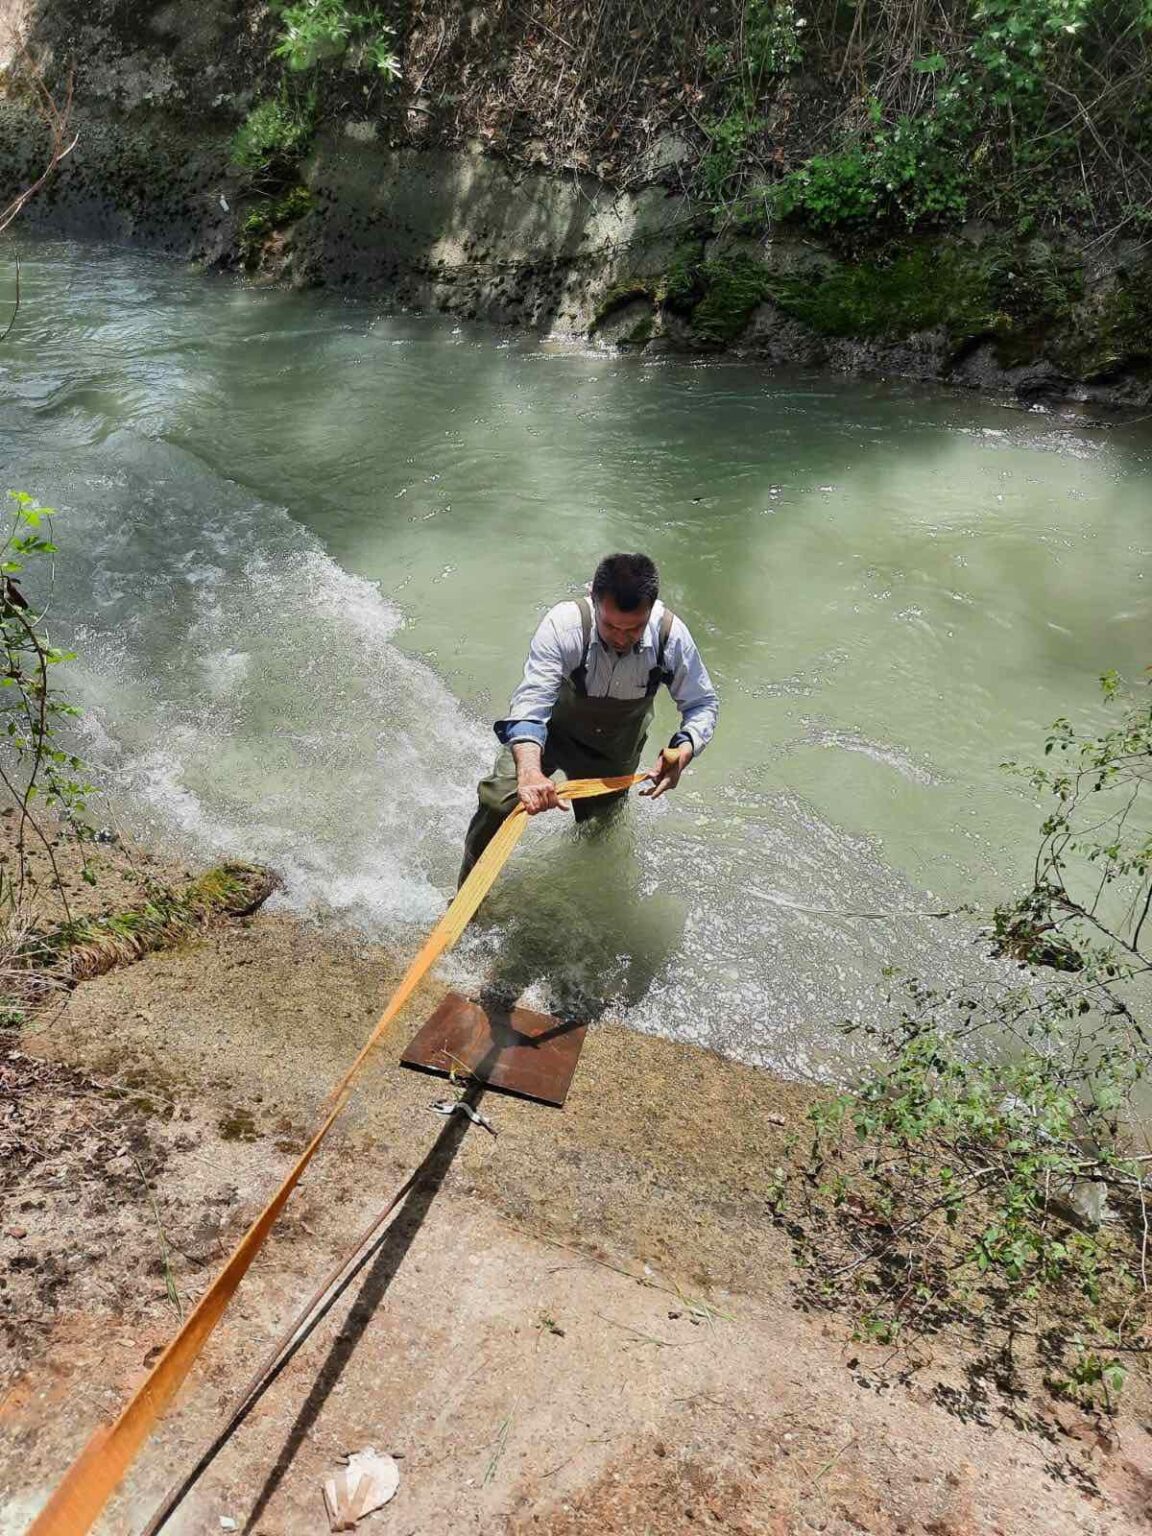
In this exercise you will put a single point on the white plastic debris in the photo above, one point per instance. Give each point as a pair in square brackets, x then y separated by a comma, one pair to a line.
[450, 1106]
[365, 1484]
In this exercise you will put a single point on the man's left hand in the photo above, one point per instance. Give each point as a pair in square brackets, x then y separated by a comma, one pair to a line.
[669, 766]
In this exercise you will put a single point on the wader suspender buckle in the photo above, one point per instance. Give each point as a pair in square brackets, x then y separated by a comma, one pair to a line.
[658, 674]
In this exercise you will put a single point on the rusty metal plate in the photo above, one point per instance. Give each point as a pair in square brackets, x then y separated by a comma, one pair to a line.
[515, 1050]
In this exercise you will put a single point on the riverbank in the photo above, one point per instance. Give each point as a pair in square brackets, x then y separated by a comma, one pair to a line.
[588, 1321]
[509, 177]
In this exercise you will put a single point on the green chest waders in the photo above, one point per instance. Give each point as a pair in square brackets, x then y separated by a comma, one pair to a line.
[588, 737]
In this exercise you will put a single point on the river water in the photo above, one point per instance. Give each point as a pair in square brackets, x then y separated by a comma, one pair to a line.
[304, 544]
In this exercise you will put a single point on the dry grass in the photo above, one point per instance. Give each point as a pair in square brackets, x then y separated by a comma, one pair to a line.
[593, 86]
[39, 960]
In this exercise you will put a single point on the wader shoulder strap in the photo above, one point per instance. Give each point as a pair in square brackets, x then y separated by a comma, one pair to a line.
[667, 619]
[579, 678]
[659, 673]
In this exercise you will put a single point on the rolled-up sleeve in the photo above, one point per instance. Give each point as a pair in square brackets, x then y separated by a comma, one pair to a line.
[691, 689]
[530, 707]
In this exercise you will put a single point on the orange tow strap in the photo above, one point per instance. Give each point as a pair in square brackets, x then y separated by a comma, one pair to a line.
[96, 1473]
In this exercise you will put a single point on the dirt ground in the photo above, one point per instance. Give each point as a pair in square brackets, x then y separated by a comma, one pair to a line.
[587, 1323]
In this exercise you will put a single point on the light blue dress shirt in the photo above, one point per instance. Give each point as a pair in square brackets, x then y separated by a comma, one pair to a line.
[555, 653]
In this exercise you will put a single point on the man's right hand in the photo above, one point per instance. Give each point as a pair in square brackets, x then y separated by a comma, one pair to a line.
[537, 792]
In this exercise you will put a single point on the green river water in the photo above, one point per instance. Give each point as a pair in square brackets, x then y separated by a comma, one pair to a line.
[305, 544]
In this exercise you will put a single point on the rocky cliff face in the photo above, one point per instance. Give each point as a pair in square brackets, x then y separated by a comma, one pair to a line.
[489, 192]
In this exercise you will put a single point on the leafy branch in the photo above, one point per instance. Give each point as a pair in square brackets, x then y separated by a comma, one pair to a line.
[36, 767]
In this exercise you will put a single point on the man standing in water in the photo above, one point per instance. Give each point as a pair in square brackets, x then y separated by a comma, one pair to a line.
[585, 704]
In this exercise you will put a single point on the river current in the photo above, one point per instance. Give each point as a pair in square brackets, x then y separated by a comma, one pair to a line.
[304, 544]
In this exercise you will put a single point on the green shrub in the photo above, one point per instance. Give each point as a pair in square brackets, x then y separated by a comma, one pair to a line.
[768, 45]
[772, 37]
[722, 165]
[316, 30]
[273, 137]
[1034, 112]
[830, 191]
[37, 764]
[908, 175]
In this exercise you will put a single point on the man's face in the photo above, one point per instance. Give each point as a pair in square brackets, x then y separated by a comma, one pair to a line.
[618, 629]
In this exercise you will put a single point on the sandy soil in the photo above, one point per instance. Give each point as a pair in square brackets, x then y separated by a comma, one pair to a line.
[587, 1323]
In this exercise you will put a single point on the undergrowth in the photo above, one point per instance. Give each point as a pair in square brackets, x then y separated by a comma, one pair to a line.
[274, 136]
[1031, 112]
[990, 1171]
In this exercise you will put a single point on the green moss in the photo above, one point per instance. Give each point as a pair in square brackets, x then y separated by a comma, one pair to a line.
[641, 332]
[276, 213]
[682, 287]
[627, 291]
[1024, 300]
[1112, 331]
[227, 890]
[916, 290]
[268, 217]
[679, 289]
[734, 284]
[1039, 297]
[1028, 300]
[152, 1092]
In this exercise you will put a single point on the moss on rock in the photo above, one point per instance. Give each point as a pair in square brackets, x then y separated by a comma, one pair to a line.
[918, 290]
[1112, 330]
[641, 332]
[270, 218]
[1029, 304]
[620, 295]
[735, 284]
[682, 286]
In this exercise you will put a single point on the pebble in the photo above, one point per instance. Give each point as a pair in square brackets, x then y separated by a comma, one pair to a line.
[16, 1232]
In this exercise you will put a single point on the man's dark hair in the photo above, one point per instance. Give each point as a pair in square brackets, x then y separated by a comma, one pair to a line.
[631, 581]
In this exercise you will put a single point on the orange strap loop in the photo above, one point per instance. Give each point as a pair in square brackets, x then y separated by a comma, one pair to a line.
[96, 1473]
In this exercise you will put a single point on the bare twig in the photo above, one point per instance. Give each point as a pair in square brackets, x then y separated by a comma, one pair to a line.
[61, 139]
